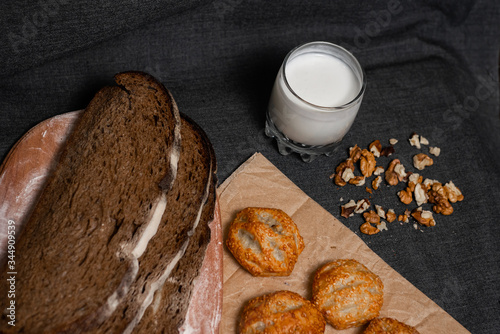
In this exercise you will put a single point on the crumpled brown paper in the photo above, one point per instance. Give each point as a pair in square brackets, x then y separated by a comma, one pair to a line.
[259, 183]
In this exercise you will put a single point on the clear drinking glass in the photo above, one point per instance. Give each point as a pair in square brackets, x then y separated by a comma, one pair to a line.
[315, 99]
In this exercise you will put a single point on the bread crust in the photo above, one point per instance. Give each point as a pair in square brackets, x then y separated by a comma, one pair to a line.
[265, 241]
[347, 293]
[389, 326]
[279, 313]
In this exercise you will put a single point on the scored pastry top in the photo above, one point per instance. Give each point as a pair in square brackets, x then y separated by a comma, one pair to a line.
[265, 241]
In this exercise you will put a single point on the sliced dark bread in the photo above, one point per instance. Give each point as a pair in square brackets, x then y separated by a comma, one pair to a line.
[174, 304]
[93, 256]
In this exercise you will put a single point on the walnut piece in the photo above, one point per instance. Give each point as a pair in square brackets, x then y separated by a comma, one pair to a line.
[362, 205]
[393, 141]
[340, 170]
[435, 151]
[367, 163]
[358, 181]
[453, 193]
[413, 180]
[347, 174]
[378, 170]
[355, 153]
[380, 211]
[414, 140]
[424, 141]
[420, 194]
[376, 182]
[399, 169]
[369, 229]
[390, 176]
[382, 226]
[438, 197]
[372, 217]
[422, 160]
[423, 217]
[443, 207]
[390, 215]
[405, 217]
[405, 196]
[375, 147]
[427, 184]
[347, 210]
[387, 151]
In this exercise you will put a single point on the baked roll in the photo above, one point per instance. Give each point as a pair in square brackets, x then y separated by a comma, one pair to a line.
[347, 293]
[266, 242]
[281, 312]
[389, 325]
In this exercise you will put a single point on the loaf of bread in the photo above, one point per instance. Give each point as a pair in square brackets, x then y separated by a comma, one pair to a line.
[265, 241]
[117, 238]
[281, 312]
[347, 293]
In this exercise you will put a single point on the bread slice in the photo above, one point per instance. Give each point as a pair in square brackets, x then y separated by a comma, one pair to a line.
[117, 237]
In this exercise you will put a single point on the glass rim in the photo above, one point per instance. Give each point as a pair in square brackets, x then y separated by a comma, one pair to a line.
[349, 54]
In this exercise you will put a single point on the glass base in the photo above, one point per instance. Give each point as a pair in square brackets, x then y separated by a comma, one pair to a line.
[307, 152]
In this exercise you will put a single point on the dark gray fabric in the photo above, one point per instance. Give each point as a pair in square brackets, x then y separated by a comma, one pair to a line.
[432, 68]
[37, 31]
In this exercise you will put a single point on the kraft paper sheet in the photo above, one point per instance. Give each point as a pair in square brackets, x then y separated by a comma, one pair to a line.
[259, 183]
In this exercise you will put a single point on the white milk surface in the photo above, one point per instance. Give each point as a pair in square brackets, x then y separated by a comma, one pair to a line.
[322, 79]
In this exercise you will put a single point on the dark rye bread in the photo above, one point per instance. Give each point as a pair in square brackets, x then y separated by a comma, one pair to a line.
[181, 281]
[79, 266]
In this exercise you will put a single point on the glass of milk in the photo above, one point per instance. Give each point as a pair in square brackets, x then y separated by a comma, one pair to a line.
[315, 98]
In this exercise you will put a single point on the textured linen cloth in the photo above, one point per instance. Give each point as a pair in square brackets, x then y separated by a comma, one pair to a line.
[431, 68]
